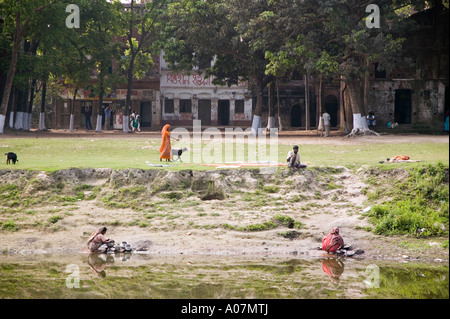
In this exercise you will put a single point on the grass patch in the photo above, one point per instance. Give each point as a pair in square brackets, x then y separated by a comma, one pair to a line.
[290, 234]
[419, 205]
[276, 221]
[258, 227]
[54, 219]
[271, 189]
[9, 225]
[171, 195]
[125, 153]
[288, 221]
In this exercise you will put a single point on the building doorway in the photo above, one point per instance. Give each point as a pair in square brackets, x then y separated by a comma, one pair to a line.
[296, 116]
[402, 112]
[146, 114]
[331, 106]
[224, 112]
[204, 111]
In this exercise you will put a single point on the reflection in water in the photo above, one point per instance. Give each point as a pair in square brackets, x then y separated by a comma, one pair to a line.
[209, 277]
[97, 262]
[334, 268]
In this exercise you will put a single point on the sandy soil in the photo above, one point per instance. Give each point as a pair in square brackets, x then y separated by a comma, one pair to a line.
[197, 230]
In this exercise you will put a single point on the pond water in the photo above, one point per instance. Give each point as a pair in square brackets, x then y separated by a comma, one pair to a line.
[141, 276]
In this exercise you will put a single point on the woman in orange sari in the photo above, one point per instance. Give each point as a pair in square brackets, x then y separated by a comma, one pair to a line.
[166, 148]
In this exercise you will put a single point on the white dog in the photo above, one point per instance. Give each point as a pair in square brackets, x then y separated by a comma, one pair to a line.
[178, 152]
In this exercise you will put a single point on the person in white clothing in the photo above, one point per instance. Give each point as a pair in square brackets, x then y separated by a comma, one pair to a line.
[326, 122]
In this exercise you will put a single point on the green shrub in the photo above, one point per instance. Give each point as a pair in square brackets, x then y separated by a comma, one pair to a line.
[258, 227]
[171, 195]
[54, 219]
[409, 217]
[419, 205]
[9, 225]
[271, 189]
[288, 221]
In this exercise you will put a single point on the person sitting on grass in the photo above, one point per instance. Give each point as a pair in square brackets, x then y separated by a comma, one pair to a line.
[293, 159]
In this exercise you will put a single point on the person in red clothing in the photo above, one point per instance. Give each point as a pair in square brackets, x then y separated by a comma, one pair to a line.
[333, 241]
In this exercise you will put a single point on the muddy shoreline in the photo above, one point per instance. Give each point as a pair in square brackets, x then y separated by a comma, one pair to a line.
[168, 213]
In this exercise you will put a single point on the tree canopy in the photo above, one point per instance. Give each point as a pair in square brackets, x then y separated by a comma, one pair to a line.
[248, 40]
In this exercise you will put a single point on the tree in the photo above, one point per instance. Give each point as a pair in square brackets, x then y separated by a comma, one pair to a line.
[73, 58]
[234, 33]
[335, 38]
[142, 28]
[17, 15]
[54, 47]
[100, 33]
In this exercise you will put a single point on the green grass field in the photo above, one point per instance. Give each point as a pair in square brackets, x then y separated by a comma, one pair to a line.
[51, 154]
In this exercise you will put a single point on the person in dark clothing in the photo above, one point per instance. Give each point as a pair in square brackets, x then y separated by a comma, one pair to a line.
[87, 116]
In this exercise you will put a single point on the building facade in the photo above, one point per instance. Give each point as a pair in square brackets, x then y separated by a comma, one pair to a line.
[416, 98]
[192, 96]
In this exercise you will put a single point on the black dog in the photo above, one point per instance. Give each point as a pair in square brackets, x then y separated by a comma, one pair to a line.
[11, 157]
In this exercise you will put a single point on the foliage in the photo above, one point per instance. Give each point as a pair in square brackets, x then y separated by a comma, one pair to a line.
[9, 225]
[330, 40]
[420, 206]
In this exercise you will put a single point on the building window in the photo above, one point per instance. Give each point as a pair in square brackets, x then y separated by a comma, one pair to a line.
[379, 74]
[185, 106]
[239, 106]
[168, 106]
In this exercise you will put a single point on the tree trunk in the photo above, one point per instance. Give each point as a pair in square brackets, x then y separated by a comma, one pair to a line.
[280, 127]
[126, 127]
[98, 127]
[30, 105]
[307, 101]
[21, 109]
[42, 113]
[13, 106]
[356, 93]
[9, 78]
[271, 118]
[256, 122]
[72, 110]
[19, 31]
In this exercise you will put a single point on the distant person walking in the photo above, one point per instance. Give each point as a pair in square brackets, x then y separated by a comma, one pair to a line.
[326, 122]
[107, 117]
[166, 148]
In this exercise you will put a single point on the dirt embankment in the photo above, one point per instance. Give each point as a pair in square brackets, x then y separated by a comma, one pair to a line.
[221, 212]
